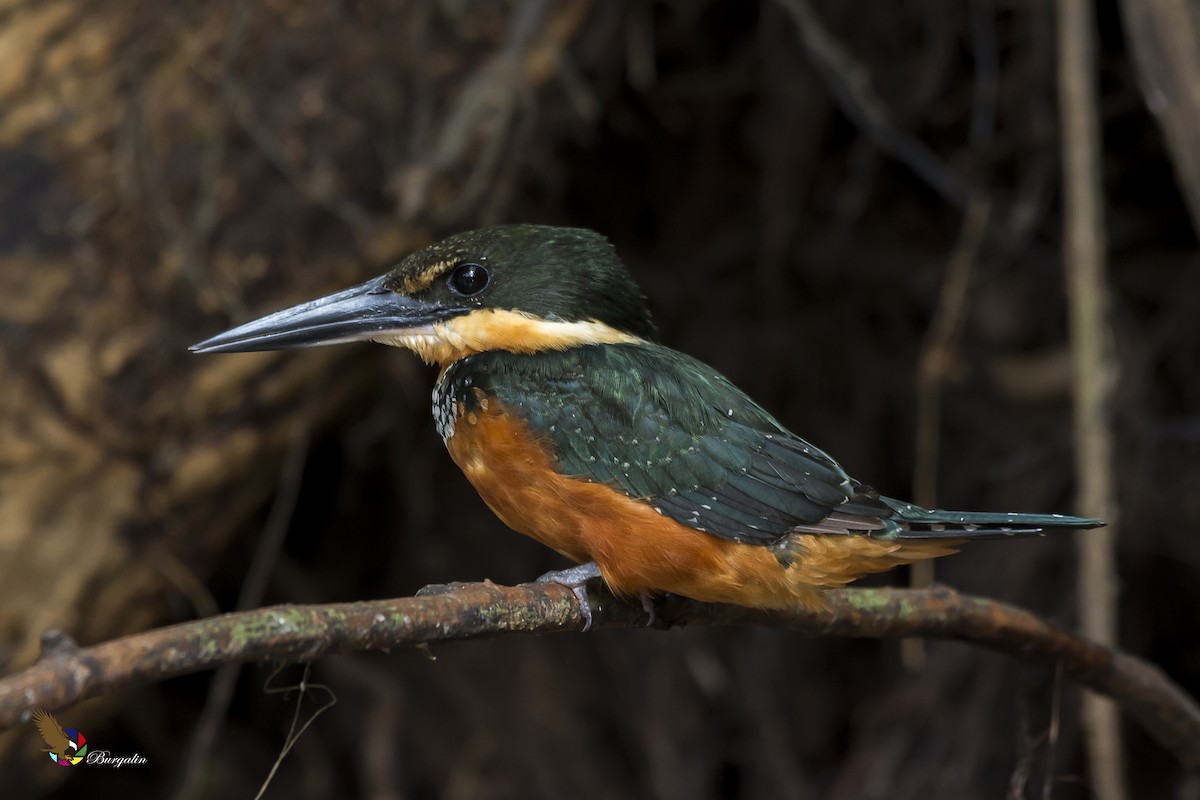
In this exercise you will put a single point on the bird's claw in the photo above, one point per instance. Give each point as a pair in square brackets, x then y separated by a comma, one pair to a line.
[576, 579]
[648, 607]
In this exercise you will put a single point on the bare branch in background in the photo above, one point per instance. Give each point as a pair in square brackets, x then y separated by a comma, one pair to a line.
[1164, 42]
[850, 85]
[938, 354]
[1083, 258]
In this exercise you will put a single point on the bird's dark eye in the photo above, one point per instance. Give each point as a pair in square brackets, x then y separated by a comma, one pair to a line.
[469, 279]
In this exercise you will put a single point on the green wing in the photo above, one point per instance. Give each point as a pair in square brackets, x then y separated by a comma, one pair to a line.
[666, 428]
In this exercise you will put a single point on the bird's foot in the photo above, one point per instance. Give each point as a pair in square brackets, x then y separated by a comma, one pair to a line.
[648, 607]
[576, 578]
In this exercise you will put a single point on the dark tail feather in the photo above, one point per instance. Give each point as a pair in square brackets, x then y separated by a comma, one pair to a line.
[914, 522]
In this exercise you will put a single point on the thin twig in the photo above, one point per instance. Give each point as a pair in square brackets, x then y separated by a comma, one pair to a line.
[1163, 38]
[300, 634]
[936, 360]
[1083, 256]
[849, 83]
[938, 349]
[1052, 733]
[254, 587]
[303, 689]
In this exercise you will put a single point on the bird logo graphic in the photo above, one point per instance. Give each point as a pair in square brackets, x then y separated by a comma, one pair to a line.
[66, 746]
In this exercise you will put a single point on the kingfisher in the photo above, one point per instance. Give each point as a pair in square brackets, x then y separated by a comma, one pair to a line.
[644, 466]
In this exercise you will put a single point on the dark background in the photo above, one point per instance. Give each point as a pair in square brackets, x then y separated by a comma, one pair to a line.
[170, 169]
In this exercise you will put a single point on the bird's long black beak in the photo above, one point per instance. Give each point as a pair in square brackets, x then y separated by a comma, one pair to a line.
[366, 311]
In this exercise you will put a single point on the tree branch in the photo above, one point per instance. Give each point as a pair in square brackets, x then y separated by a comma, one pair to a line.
[67, 674]
[1093, 368]
[1163, 37]
[849, 83]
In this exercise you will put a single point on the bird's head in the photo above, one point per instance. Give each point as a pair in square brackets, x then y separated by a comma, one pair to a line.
[521, 288]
